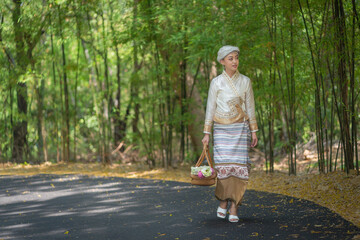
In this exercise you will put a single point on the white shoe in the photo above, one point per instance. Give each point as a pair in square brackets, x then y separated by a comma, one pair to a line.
[233, 218]
[221, 212]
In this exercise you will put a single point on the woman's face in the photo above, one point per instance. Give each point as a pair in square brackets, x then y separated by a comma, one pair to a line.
[231, 61]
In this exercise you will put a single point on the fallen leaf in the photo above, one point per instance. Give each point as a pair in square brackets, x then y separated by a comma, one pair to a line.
[295, 235]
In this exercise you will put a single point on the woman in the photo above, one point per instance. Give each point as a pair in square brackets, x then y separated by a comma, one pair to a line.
[231, 107]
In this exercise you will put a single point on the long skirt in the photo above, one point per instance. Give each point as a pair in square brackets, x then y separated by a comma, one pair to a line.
[231, 157]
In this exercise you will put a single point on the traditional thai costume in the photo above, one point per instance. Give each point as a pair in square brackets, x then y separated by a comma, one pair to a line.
[231, 107]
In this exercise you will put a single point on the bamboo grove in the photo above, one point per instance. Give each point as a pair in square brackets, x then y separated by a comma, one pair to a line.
[80, 77]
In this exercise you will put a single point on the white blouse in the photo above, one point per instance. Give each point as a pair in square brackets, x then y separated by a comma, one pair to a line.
[224, 105]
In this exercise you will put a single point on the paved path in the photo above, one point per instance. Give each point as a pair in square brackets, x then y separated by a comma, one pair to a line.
[81, 207]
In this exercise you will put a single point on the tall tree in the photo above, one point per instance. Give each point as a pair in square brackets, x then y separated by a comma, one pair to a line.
[25, 41]
[120, 123]
[134, 85]
[64, 80]
[340, 42]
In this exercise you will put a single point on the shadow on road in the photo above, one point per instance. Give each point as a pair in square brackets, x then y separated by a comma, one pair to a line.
[82, 207]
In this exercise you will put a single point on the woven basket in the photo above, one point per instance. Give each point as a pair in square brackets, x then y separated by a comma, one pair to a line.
[206, 181]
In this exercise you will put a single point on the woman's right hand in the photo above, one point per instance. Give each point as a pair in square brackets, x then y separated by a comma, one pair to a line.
[205, 140]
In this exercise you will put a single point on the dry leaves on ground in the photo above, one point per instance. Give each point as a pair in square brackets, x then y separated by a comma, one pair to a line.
[337, 190]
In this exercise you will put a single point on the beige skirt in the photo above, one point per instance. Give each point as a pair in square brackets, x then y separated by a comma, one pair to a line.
[231, 157]
[231, 188]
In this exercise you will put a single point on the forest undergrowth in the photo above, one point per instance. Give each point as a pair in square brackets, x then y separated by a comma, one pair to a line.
[337, 190]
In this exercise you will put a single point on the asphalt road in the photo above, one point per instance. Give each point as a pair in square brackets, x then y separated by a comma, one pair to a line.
[81, 207]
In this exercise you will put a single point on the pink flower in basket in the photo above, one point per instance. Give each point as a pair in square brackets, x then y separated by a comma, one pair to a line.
[200, 174]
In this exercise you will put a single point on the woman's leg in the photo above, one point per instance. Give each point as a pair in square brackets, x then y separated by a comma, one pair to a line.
[233, 210]
[223, 205]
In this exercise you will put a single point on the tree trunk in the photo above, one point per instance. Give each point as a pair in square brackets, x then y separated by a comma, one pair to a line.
[66, 113]
[318, 110]
[78, 38]
[196, 126]
[55, 97]
[353, 94]
[340, 30]
[20, 126]
[293, 96]
[42, 151]
[119, 123]
[183, 105]
[107, 97]
[134, 88]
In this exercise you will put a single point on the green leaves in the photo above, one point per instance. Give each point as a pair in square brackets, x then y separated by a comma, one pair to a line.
[174, 40]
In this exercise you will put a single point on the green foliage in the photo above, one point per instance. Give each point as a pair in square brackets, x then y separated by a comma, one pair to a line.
[165, 34]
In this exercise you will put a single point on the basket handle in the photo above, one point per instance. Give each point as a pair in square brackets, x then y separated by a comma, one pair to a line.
[205, 153]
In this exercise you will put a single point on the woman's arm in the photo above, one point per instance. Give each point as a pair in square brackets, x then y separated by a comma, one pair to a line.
[254, 139]
[250, 108]
[206, 139]
[210, 107]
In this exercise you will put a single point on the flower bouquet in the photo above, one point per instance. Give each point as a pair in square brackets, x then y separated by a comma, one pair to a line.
[202, 171]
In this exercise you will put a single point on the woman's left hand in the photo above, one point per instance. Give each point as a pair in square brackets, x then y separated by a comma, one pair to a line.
[254, 139]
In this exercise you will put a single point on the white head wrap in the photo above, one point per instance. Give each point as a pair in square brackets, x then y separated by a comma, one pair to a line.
[225, 50]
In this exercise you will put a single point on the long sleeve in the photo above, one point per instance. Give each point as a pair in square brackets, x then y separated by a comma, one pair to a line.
[250, 107]
[210, 107]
